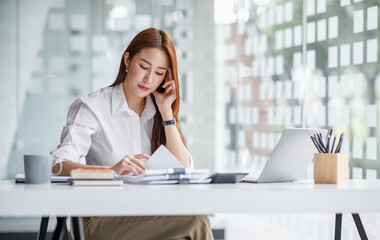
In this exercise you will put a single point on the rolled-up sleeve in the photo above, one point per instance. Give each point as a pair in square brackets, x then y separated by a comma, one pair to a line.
[76, 135]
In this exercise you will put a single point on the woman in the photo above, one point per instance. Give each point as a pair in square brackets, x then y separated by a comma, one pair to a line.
[118, 126]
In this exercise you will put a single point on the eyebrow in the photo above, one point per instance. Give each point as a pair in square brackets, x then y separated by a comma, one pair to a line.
[151, 64]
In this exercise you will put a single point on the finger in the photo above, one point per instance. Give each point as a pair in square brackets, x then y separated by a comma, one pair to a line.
[133, 169]
[168, 83]
[129, 169]
[138, 168]
[125, 161]
[127, 158]
[170, 88]
[125, 165]
[138, 164]
[142, 155]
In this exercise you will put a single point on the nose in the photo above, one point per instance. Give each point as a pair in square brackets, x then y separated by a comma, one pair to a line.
[148, 77]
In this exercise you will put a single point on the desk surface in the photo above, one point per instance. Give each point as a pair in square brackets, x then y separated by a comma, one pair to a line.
[302, 196]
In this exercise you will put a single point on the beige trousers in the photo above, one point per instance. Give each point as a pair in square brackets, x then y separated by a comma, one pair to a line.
[148, 227]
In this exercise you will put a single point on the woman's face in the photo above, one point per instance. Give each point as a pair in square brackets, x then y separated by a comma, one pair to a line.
[146, 71]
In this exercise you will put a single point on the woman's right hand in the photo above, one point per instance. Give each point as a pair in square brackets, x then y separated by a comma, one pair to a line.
[131, 164]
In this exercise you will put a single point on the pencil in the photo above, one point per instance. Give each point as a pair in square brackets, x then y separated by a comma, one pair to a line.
[328, 140]
[316, 138]
[321, 142]
[337, 146]
[318, 146]
[332, 147]
[320, 135]
[312, 139]
[340, 143]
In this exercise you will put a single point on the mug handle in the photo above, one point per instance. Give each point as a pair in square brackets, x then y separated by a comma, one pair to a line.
[60, 169]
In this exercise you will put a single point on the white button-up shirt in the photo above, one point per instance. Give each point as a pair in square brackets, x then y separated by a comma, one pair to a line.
[103, 129]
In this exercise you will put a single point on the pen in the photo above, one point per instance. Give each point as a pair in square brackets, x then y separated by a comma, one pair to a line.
[332, 147]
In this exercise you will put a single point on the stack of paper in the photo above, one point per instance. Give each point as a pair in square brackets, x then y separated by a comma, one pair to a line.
[164, 168]
[168, 176]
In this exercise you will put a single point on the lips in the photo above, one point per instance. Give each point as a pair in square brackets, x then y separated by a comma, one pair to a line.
[143, 88]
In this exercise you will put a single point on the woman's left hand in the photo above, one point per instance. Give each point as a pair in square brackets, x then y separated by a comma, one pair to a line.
[165, 100]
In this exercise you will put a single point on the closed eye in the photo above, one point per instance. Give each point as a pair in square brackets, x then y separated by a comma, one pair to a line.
[159, 74]
[145, 68]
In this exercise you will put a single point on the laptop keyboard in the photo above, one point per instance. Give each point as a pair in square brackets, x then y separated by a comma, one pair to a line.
[249, 180]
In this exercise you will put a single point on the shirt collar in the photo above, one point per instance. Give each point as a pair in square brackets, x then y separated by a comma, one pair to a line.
[120, 104]
[149, 110]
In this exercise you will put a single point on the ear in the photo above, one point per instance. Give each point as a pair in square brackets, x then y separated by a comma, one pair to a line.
[126, 59]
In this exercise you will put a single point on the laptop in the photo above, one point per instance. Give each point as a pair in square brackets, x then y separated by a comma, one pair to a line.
[290, 158]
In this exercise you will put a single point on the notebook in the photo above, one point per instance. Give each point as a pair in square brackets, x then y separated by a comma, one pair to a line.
[290, 158]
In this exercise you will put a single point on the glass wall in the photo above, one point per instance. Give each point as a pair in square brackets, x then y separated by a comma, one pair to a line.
[263, 77]
[309, 63]
[297, 63]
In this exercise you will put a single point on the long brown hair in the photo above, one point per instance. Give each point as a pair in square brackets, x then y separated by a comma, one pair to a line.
[155, 38]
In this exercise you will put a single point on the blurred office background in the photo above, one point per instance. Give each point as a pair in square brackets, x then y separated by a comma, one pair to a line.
[248, 69]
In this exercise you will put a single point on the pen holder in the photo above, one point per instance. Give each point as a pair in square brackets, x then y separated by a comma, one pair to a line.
[331, 168]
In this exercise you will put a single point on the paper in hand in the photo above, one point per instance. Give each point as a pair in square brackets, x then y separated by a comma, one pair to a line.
[162, 158]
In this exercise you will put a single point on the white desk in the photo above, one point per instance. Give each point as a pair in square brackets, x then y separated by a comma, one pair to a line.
[64, 200]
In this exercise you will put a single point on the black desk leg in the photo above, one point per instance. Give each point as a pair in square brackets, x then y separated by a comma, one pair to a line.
[60, 231]
[78, 228]
[43, 228]
[338, 226]
[359, 226]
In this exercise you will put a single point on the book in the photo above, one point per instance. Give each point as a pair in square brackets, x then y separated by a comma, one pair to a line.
[95, 182]
[82, 173]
